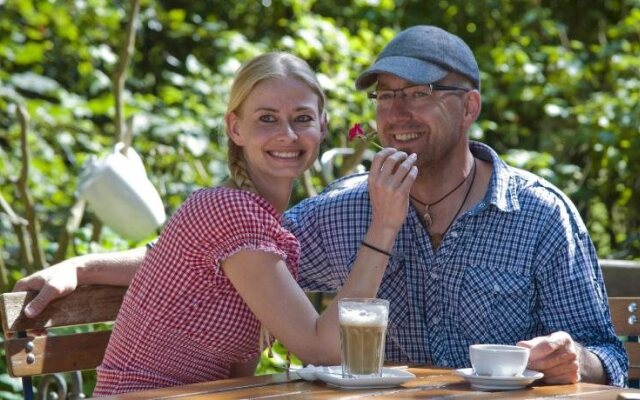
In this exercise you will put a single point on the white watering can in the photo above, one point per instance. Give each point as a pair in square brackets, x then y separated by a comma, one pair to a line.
[119, 192]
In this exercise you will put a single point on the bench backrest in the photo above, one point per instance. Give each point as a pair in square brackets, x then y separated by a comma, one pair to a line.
[625, 314]
[29, 354]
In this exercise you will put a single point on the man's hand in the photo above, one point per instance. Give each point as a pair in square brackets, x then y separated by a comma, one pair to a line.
[556, 355]
[51, 283]
[562, 360]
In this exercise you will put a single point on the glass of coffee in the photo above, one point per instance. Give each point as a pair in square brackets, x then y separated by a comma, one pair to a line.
[363, 329]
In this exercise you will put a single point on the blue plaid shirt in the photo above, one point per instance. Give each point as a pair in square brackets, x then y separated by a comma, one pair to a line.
[519, 264]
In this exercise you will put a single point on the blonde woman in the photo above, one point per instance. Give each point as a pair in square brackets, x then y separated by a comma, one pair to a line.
[224, 269]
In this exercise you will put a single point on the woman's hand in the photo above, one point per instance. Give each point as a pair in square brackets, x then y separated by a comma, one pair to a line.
[391, 176]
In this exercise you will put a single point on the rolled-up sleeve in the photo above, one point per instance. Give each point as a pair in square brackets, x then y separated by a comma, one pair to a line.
[573, 299]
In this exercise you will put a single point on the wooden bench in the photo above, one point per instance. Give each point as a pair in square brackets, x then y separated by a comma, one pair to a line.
[625, 314]
[621, 277]
[28, 355]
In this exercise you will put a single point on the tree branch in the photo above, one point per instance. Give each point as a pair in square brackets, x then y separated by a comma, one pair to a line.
[4, 277]
[120, 74]
[96, 231]
[33, 227]
[128, 135]
[14, 218]
[19, 224]
[73, 222]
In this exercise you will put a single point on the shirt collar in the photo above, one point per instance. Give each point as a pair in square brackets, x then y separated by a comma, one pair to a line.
[502, 191]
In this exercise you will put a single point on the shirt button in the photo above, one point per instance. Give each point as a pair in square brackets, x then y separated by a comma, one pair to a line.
[454, 234]
[445, 363]
[434, 275]
[496, 288]
[435, 320]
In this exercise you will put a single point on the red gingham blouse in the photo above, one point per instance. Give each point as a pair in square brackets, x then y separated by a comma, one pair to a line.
[182, 320]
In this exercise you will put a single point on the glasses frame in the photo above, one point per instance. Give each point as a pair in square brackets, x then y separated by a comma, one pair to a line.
[433, 87]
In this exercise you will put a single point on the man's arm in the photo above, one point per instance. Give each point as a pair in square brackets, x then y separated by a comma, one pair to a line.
[573, 306]
[58, 280]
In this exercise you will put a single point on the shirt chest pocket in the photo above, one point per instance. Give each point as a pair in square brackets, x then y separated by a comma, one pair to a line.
[495, 306]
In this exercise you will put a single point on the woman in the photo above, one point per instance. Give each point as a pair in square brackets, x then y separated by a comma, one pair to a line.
[224, 268]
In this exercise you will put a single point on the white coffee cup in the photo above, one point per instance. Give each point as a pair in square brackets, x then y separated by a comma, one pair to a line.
[498, 360]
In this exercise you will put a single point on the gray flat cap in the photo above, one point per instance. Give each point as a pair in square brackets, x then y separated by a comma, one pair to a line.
[423, 54]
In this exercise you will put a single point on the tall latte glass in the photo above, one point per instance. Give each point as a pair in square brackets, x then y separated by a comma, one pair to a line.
[363, 329]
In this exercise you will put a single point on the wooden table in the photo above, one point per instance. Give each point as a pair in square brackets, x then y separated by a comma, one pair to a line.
[430, 383]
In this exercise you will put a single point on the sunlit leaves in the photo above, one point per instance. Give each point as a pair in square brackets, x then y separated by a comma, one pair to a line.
[35, 83]
[563, 91]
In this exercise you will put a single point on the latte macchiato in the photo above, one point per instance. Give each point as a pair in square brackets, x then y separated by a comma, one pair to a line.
[363, 328]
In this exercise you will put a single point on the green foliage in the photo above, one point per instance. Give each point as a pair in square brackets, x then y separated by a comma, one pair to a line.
[275, 362]
[561, 95]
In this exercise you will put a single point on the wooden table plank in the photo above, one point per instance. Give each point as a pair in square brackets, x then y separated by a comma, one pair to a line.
[429, 383]
[211, 387]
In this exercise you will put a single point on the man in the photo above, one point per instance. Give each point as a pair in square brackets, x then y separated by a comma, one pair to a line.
[488, 254]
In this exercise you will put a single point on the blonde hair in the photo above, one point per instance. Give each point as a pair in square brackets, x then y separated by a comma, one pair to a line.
[266, 66]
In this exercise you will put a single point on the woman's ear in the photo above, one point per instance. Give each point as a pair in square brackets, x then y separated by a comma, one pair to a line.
[233, 130]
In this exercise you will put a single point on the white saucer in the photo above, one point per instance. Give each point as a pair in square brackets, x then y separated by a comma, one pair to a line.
[308, 373]
[499, 382]
[391, 377]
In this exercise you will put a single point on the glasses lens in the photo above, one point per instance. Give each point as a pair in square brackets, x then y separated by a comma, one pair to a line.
[385, 95]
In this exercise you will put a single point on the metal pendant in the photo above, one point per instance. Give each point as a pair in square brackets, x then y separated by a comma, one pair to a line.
[427, 217]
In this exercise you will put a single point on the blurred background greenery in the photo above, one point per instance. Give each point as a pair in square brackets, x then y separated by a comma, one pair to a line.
[560, 85]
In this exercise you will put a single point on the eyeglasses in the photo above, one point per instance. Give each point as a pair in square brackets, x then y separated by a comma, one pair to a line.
[415, 95]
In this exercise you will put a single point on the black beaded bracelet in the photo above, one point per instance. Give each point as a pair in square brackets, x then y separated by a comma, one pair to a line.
[379, 250]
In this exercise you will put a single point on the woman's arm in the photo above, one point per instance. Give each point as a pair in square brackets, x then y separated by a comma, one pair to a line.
[272, 294]
[59, 280]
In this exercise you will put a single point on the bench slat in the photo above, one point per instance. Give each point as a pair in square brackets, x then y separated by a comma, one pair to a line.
[620, 315]
[88, 304]
[56, 353]
[633, 351]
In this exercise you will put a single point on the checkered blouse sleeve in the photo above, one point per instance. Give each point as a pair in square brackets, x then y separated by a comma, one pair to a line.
[218, 223]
